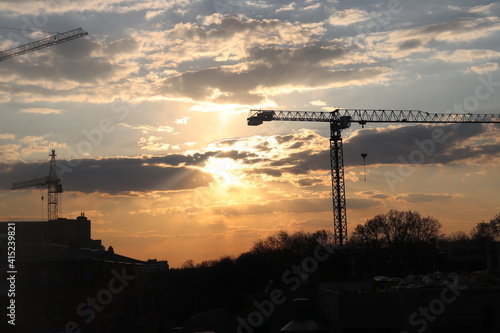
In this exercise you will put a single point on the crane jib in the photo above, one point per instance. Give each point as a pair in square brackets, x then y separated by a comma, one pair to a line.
[257, 117]
[43, 43]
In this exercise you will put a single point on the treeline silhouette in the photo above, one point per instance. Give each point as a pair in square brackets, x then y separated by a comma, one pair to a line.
[395, 243]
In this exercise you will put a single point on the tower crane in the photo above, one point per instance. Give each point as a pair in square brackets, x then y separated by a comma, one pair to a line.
[42, 43]
[52, 182]
[341, 119]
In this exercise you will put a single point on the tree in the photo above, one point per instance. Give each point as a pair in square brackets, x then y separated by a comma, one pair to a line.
[396, 228]
[283, 248]
[188, 264]
[487, 231]
[459, 236]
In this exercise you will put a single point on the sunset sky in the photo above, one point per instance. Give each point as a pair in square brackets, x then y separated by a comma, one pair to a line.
[148, 116]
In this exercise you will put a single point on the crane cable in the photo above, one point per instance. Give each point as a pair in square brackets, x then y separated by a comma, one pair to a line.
[31, 30]
[364, 154]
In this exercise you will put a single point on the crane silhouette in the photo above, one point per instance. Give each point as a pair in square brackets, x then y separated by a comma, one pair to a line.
[42, 43]
[52, 182]
[341, 119]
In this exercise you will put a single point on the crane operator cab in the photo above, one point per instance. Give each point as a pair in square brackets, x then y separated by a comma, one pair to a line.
[259, 117]
[345, 122]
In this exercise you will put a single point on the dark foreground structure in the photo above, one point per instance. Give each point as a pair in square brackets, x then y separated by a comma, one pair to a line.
[61, 280]
[342, 298]
[442, 307]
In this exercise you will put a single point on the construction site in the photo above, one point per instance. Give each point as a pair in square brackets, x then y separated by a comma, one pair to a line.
[176, 173]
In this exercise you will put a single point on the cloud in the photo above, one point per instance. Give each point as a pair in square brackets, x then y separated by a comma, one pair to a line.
[394, 145]
[484, 68]
[182, 121]
[274, 70]
[115, 175]
[301, 205]
[272, 57]
[315, 224]
[289, 7]
[484, 9]
[410, 44]
[148, 128]
[373, 195]
[79, 70]
[348, 17]
[459, 30]
[309, 181]
[467, 55]
[318, 103]
[423, 197]
[303, 158]
[153, 143]
[7, 136]
[401, 43]
[282, 206]
[171, 172]
[42, 110]
[35, 7]
[225, 38]
[9, 152]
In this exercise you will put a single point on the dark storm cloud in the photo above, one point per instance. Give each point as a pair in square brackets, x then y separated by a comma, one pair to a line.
[118, 175]
[82, 60]
[410, 44]
[125, 178]
[451, 26]
[284, 138]
[197, 158]
[310, 55]
[309, 182]
[264, 146]
[455, 143]
[444, 144]
[302, 162]
[269, 172]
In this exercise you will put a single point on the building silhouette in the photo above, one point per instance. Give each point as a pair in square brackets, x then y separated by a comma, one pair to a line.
[65, 281]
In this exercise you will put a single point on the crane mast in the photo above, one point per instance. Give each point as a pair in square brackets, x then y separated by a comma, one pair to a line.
[52, 182]
[341, 119]
[42, 43]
